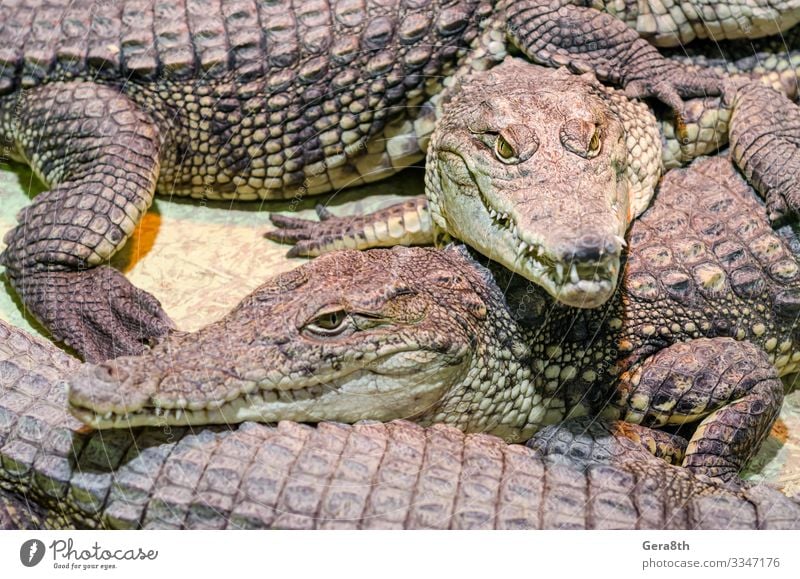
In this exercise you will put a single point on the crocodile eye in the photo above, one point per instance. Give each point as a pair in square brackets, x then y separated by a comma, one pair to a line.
[594, 144]
[503, 150]
[329, 323]
[584, 138]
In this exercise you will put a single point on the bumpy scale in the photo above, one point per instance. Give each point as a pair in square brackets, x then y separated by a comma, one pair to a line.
[542, 171]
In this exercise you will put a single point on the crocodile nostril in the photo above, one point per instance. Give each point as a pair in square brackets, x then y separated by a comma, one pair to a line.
[593, 247]
[110, 372]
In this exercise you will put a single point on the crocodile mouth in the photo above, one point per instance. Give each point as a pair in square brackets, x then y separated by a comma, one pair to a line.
[383, 389]
[243, 407]
[574, 282]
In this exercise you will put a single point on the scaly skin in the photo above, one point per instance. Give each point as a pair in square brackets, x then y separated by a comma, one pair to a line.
[55, 473]
[18, 514]
[774, 60]
[678, 22]
[111, 101]
[565, 209]
[700, 330]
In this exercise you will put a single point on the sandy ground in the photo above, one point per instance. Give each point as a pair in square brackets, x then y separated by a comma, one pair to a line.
[200, 260]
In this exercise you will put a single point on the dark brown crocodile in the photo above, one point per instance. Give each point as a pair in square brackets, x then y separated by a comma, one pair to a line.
[702, 326]
[111, 101]
[56, 473]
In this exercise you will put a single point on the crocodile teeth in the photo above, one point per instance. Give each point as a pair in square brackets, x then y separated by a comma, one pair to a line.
[302, 394]
[573, 274]
[523, 247]
[178, 413]
[560, 272]
[621, 240]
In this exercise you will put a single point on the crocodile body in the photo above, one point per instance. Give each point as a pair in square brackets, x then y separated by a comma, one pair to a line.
[111, 101]
[56, 474]
[250, 99]
[678, 22]
[700, 329]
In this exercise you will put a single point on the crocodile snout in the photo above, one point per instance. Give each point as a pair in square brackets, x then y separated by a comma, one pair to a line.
[101, 389]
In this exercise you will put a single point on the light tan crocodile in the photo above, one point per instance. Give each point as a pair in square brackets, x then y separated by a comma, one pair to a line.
[54, 473]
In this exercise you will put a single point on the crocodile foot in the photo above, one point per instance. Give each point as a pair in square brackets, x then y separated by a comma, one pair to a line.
[404, 223]
[97, 312]
[310, 237]
[671, 83]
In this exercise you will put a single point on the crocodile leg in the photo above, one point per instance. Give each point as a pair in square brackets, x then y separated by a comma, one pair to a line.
[732, 384]
[565, 33]
[765, 140]
[99, 154]
[586, 441]
[406, 223]
[763, 128]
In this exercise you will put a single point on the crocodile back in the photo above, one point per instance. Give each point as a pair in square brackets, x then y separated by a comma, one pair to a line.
[254, 98]
[180, 39]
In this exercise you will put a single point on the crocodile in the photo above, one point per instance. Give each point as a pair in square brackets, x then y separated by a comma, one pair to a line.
[237, 99]
[55, 473]
[700, 330]
[542, 172]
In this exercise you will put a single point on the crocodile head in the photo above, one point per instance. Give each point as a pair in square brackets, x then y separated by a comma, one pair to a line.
[528, 166]
[349, 336]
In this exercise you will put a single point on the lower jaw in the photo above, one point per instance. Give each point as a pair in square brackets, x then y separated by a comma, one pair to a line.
[585, 294]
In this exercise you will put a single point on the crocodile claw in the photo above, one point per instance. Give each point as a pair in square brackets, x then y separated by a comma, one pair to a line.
[673, 85]
[311, 238]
